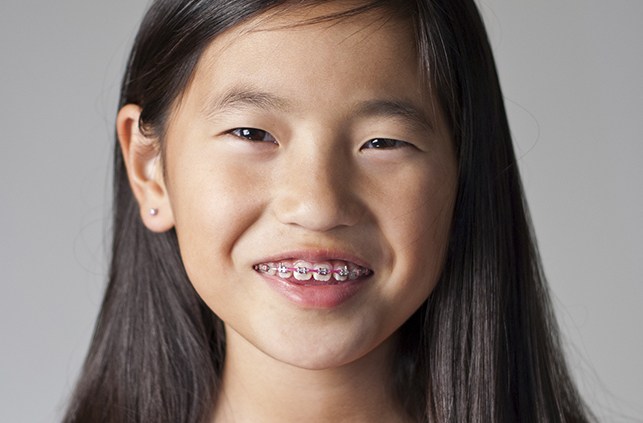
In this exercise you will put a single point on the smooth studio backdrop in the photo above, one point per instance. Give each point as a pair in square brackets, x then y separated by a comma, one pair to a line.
[571, 72]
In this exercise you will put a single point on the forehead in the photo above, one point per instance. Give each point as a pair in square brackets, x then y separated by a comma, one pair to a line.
[316, 65]
[333, 21]
[290, 47]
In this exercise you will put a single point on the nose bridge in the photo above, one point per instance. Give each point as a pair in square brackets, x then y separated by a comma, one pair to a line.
[315, 186]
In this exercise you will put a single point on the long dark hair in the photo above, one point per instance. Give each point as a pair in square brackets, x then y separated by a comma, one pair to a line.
[483, 348]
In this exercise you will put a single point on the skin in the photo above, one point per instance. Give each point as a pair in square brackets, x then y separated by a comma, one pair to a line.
[314, 182]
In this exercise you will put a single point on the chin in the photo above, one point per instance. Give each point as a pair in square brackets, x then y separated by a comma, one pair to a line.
[320, 353]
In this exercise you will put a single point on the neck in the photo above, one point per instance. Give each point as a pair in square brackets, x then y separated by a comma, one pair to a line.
[259, 388]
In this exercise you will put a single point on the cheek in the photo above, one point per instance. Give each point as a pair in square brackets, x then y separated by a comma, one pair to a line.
[417, 227]
[214, 203]
[417, 216]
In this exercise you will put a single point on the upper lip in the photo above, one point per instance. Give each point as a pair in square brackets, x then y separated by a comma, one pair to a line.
[316, 255]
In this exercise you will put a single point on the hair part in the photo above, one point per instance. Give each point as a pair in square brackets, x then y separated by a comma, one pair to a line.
[484, 346]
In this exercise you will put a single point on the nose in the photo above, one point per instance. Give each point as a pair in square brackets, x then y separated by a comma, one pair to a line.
[317, 189]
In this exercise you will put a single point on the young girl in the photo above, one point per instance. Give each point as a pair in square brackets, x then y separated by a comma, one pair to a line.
[319, 218]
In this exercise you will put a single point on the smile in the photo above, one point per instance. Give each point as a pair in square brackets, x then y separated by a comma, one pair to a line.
[328, 272]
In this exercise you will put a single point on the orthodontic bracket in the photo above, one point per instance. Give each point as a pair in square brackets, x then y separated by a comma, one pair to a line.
[323, 271]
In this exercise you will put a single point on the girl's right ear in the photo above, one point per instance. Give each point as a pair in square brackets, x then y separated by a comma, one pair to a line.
[142, 156]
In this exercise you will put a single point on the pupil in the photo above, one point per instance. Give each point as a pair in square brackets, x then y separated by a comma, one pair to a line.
[382, 143]
[252, 134]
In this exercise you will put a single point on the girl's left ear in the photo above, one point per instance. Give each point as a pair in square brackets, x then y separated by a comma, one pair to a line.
[142, 156]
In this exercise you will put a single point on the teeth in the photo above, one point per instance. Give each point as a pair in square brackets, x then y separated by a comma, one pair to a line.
[267, 268]
[340, 273]
[354, 274]
[302, 271]
[284, 270]
[322, 272]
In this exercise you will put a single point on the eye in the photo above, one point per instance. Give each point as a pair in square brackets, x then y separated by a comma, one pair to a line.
[384, 143]
[253, 134]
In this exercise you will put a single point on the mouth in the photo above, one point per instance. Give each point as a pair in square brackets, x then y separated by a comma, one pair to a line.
[307, 273]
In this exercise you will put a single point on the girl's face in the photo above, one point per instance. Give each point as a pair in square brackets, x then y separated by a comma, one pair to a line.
[312, 146]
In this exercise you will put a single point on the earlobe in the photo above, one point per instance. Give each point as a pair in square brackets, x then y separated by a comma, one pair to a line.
[142, 158]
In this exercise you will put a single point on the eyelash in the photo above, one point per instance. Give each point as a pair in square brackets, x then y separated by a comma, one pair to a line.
[259, 135]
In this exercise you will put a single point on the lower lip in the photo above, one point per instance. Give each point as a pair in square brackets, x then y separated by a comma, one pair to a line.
[315, 296]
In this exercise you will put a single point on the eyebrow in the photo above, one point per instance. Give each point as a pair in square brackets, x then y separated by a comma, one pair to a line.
[243, 97]
[394, 109]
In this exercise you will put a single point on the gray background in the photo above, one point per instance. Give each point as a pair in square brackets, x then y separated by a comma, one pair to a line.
[571, 72]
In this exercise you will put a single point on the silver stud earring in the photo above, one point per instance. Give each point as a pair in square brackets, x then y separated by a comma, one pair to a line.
[154, 212]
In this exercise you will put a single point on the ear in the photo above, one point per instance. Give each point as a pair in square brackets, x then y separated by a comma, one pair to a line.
[142, 156]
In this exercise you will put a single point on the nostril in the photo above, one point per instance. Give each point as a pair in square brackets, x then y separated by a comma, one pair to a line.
[317, 207]
[317, 213]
